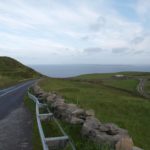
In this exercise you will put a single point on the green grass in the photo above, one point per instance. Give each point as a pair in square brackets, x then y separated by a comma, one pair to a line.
[6, 81]
[125, 84]
[147, 87]
[96, 76]
[110, 104]
[109, 75]
[51, 129]
[13, 68]
[81, 143]
[12, 72]
[43, 110]
[35, 136]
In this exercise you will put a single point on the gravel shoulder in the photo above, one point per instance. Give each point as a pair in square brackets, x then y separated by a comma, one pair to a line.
[17, 125]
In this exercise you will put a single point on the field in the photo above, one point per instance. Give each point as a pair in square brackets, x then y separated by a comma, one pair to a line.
[113, 100]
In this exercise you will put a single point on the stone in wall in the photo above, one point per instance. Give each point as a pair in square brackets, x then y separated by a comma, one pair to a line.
[124, 143]
[39, 93]
[102, 133]
[136, 148]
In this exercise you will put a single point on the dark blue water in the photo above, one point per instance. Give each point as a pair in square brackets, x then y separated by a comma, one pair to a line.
[74, 70]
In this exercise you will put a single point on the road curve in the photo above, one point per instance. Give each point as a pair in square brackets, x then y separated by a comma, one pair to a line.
[15, 119]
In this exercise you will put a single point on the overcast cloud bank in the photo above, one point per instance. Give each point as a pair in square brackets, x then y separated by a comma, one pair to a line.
[68, 31]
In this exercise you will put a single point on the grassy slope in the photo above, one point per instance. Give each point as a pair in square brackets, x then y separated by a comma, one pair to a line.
[12, 71]
[110, 104]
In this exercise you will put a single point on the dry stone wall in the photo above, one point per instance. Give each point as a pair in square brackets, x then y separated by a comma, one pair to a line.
[92, 128]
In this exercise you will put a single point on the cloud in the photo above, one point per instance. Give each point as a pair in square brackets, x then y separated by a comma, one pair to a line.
[72, 28]
[20, 14]
[139, 52]
[4, 51]
[119, 50]
[99, 24]
[142, 8]
[137, 40]
[85, 38]
[93, 50]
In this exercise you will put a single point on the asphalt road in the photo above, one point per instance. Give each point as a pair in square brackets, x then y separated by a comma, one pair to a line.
[15, 119]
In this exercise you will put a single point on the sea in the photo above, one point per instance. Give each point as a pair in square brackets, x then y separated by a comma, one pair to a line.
[64, 71]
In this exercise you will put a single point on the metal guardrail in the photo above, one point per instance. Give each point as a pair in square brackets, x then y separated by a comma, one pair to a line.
[3, 90]
[61, 129]
[45, 146]
[47, 141]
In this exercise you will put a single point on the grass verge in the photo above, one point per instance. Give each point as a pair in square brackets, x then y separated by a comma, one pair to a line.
[35, 136]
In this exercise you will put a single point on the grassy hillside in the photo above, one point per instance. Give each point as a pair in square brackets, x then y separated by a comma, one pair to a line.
[110, 75]
[12, 71]
[114, 100]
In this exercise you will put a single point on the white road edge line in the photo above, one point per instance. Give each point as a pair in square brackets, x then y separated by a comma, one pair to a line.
[7, 89]
[13, 90]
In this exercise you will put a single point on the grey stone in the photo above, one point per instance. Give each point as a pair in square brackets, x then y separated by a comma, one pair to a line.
[50, 98]
[125, 143]
[112, 129]
[75, 120]
[136, 148]
[90, 113]
[92, 122]
[102, 133]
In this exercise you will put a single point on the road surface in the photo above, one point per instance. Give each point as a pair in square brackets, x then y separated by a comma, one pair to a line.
[15, 119]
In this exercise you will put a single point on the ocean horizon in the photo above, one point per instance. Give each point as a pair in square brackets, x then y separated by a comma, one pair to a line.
[71, 70]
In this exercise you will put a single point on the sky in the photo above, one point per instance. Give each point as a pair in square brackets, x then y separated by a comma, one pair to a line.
[76, 31]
